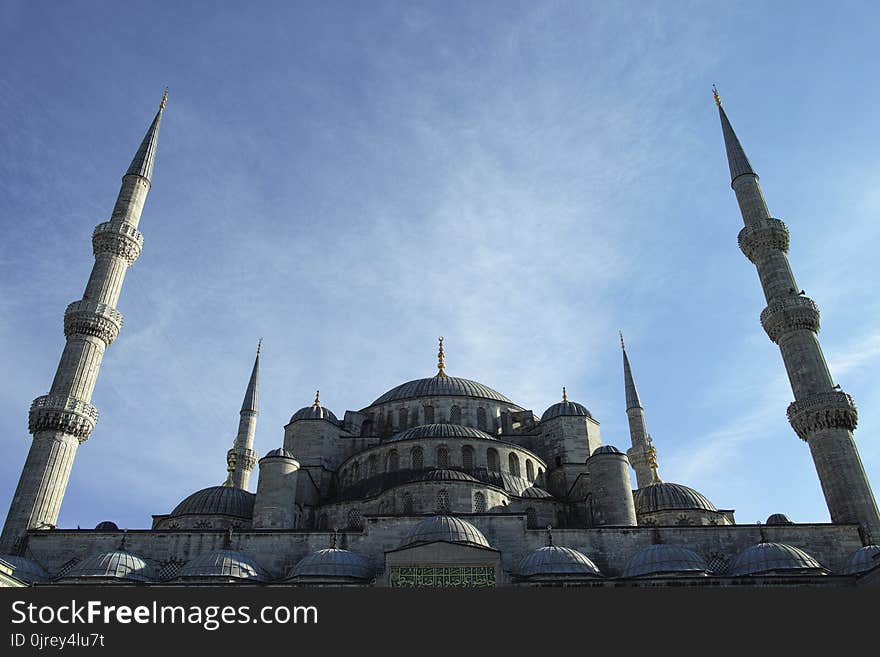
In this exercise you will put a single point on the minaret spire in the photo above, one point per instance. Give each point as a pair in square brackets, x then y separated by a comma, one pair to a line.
[242, 455]
[822, 415]
[639, 453]
[64, 418]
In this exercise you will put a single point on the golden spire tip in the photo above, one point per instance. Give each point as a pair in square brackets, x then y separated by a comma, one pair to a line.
[164, 99]
[564, 394]
[317, 398]
[259, 346]
[441, 360]
[622, 344]
[717, 95]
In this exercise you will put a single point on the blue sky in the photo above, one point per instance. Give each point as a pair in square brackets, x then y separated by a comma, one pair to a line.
[351, 180]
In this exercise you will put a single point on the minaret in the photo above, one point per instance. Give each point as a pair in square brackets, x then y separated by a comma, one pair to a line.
[639, 453]
[64, 418]
[822, 415]
[242, 453]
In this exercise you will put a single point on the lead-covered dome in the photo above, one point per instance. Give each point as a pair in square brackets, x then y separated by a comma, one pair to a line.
[566, 409]
[217, 500]
[861, 561]
[773, 558]
[557, 560]
[27, 570]
[533, 492]
[665, 560]
[606, 449]
[226, 563]
[441, 386]
[442, 431]
[314, 412]
[446, 529]
[446, 474]
[332, 562]
[779, 519]
[280, 452]
[117, 564]
[664, 496]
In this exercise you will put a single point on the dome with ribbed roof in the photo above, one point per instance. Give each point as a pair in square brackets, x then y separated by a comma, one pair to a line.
[314, 412]
[441, 386]
[565, 409]
[665, 560]
[775, 558]
[117, 564]
[557, 560]
[106, 526]
[333, 562]
[861, 561]
[779, 519]
[229, 564]
[664, 496]
[446, 529]
[534, 492]
[27, 570]
[606, 449]
[217, 500]
[446, 474]
[442, 431]
[279, 452]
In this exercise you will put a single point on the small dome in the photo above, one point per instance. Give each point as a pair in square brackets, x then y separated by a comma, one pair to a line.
[278, 452]
[606, 449]
[779, 519]
[444, 474]
[314, 412]
[332, 562]
[565, 409]
[665, 560]
[446, 529]
[217, 500]
[117, 564]
[106, 526]
[664, 496]
[441, 386]
[224, 563]
[25, 569]
[557, 560]
[771, 558]
[861, 561]
[535, 493]
[442, 431]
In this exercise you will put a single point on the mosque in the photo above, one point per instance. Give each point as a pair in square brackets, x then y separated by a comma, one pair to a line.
[443, 481]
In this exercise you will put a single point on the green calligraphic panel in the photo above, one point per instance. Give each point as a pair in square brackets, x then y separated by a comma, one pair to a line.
[443, 576]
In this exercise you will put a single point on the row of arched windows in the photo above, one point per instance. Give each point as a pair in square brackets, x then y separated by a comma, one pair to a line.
[385, 424]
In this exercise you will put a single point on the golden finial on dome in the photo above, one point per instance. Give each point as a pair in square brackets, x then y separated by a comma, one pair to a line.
[334, 539]
[652, 463]
[717, 96]
[164, 99]
[441, 360]
[564, 394]
[317, 403]
[230, 466]
[550, 535]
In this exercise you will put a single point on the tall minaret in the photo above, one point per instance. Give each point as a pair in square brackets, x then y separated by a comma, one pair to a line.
[64, 418]
[242, 453]
[822, 414]
[640, 452]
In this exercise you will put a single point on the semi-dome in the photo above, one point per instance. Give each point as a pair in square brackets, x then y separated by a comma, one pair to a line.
[224, 564]
[441, 386]
[862, 560]
[442, 431]
[314, 412]
[446, 474]
[27, 570]
[779, 519]
[557, 560]
[565, 409]
[771, 558]
[664, 496]
[606, 449]
[446, 529]
[117, 564]
[665, 560]
[534, 492]
[217, 500]
[106, 526]
[279, 452]
[333, 562]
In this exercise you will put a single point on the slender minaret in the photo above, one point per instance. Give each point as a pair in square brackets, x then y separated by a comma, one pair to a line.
[640, 452]
[242, 453]
[822, 414]
[64, 418]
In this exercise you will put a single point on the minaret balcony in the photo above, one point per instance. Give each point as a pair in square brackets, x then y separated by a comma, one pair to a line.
[92, 318]
[824, 410]
[66, 414]
[792, 313]
[757, 241]
[118, 238]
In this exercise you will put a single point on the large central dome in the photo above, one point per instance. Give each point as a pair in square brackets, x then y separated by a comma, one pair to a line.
[439, 386]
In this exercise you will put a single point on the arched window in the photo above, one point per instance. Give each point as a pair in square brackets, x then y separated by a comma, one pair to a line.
[492, 460]
[417, 458]
[531, 518]
[513, 463]
[414, 416]
[392, 463]
[355, 520]
[407, 503]
[530, 470]
[455, 415]
[540, 477]
[467, 457]
[401, 419]
[429, 415]
[343, 477]
[442, 457]
[443, 500]
[479, 503]
[481, 418]
[355, 471]
[373, 465]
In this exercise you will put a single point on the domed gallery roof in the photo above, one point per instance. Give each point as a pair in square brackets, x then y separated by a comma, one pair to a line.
[557, 560]
[117, 564]
[779, 519]
[224, 564]
[25, 569]
[664, 496]
[862, 560]
[441, 386]
[665, 560]
[106, 526]
[314, 412]
[774, 558]
[332, 562]
[217, 500]
[446, 474]
[442, 431]
[606, 449]
[446, 529]
[536, 493]
[279, 452]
